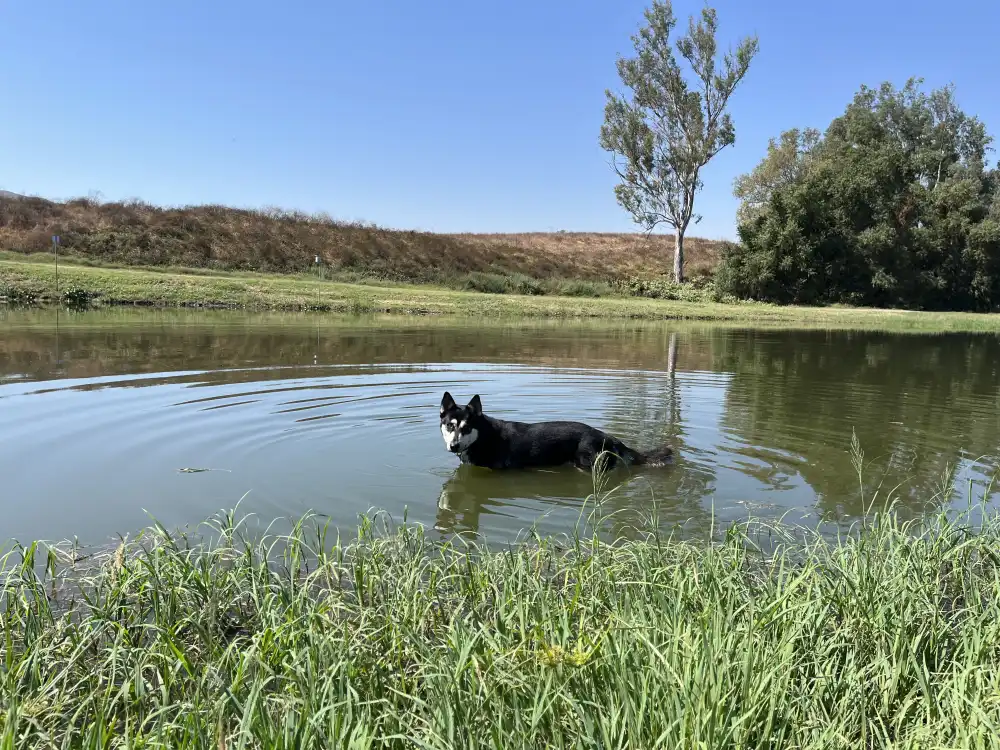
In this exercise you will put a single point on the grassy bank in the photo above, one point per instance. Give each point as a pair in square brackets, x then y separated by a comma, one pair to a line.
[223, 238]
[887, 638]
[32, 282]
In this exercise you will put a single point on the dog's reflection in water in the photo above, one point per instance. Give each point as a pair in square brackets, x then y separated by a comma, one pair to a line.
[520, 495]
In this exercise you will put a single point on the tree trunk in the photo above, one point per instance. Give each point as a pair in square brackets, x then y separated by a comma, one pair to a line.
[672, 355]
[679, 257]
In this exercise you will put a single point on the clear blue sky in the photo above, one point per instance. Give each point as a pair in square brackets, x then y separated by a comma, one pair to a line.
[431, 115]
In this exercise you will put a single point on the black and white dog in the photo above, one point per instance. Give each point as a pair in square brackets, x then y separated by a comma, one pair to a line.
[497, 444]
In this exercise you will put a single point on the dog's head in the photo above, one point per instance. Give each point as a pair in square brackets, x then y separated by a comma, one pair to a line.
[459, 423]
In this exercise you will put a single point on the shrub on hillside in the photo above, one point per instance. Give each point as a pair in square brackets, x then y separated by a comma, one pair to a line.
[495, 283]
[576, 288]
[700, 289]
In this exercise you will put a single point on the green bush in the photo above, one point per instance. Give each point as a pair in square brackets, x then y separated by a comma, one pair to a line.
[700, 289]
[578, 288]
[495, 283]
[78, 297]
[490, 283]
[894, 207]
[19, 296]
[523, 284]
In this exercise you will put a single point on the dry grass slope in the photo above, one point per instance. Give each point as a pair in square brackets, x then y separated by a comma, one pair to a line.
[222, 238]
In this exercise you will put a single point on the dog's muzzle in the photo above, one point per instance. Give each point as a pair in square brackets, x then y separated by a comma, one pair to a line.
[454, 449]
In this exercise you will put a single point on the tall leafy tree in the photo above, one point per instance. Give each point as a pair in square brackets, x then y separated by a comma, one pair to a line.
[669, 128]
[784, 163]
[894, 207]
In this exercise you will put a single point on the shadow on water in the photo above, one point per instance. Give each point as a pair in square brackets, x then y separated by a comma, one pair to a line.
[99, 410]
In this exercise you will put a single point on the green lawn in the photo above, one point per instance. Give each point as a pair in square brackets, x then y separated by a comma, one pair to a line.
[33, 281]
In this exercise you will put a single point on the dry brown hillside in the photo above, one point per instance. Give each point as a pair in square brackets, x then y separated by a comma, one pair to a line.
[137, 233]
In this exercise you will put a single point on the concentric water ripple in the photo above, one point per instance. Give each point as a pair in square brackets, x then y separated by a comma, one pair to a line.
[339, 417]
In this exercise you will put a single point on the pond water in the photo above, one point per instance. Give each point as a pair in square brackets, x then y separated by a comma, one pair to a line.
[100, 410]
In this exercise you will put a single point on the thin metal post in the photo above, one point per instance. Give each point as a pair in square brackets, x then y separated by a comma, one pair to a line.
[55, 251]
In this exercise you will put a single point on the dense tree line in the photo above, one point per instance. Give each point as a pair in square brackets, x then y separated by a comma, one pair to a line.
[894, 205]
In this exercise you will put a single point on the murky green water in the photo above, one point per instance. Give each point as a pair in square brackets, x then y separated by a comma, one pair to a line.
[98, 411]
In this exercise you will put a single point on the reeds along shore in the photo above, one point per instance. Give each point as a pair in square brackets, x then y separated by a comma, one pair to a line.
[887, 637]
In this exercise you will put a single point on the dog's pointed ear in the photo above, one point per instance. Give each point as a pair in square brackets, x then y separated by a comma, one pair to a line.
[447, 402]
[476, 405]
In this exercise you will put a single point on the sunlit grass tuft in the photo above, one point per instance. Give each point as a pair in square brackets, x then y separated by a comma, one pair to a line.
[233, 638]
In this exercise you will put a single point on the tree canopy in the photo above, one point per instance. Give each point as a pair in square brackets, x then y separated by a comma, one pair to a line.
[786, 158]
[894, 205]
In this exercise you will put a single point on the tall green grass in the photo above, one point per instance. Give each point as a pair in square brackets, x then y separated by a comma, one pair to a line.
[889, 637]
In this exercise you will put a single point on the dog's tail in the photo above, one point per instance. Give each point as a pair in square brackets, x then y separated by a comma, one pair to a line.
[656, 458]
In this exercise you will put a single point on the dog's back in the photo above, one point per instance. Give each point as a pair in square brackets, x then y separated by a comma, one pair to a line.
[536, 444]
[551, 443]
[500, 444]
